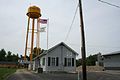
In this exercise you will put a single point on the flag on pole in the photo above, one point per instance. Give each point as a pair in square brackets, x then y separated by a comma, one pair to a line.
[42, 21]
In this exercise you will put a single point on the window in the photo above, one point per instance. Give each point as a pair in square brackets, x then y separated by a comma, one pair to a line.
[68, 61]
[43, 61]
[53, 62]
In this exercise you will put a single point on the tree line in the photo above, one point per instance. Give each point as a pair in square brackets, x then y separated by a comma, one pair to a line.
[8, 56]
[11, 57]
[90, 60]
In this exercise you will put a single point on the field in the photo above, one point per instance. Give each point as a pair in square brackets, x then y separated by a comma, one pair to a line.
[4, 72]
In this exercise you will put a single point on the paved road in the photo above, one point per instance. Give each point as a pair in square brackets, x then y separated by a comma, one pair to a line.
[26, 75]
[103, 76]
[22, 74]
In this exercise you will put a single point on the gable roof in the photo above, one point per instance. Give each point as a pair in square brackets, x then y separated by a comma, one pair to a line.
[112, 53]
[62, 43]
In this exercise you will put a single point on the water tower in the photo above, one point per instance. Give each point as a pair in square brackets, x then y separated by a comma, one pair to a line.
[34, 14]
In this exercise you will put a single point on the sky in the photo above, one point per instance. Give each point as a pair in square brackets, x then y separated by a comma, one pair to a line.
[101, 22]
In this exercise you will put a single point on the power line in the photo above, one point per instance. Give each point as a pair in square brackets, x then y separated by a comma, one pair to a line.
[109, 3]
[95, 46]
[72, 23]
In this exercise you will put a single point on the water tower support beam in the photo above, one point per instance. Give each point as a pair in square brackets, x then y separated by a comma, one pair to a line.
[32, 39]
[26, 44]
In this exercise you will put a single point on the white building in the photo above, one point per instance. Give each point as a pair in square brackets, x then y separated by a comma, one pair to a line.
[111, 61]
[58, 58]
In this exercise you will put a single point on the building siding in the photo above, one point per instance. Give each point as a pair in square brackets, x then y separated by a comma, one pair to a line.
[112, 62]
[55, 53]
[59, 52]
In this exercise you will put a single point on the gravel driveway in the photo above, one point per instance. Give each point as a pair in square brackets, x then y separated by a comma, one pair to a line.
[23, 74]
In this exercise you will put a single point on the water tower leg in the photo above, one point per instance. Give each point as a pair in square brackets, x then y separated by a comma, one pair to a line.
[26, 39]
[32, 41]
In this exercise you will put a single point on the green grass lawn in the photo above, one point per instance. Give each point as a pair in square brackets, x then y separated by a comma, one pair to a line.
[4, 72]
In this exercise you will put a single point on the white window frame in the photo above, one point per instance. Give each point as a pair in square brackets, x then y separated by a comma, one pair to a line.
[53, 61]
[69, 62]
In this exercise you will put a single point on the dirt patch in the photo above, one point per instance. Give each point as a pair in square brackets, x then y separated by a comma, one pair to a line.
[91, 68]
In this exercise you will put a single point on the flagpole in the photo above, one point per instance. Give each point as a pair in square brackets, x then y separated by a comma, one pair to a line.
[38, 37]
[44, 21]
[47, 32]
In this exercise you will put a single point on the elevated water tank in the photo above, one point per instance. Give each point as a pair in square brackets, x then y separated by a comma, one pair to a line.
[34, 12]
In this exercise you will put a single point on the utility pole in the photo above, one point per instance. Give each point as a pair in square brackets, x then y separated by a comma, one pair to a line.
[83, 51]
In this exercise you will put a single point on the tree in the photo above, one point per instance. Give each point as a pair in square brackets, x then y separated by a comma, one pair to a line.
[28, 58]
[78, 62]
[14, 58]
[2, 55]
[36, 52]
[91, 60]
[9, 56]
